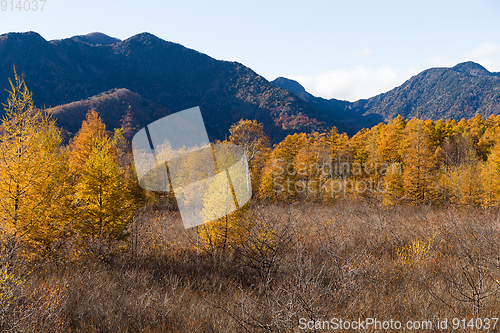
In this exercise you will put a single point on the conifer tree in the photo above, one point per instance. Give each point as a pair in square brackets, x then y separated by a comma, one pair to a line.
[32, 172]
[390, 141]
[103, 203]
[283, 168]
[393, 185]
[490, 175]
[81, 146]
[419, 163]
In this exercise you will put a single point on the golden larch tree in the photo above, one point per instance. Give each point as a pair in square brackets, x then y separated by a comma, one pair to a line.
[419, 163]
[103, 204]
[490, 175]
[32, 172]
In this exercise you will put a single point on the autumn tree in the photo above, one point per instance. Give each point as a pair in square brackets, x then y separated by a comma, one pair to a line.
[32, 172]
[439, 131]
[280, 172]
[489, 137]
[419, 163]
[225, 199]
[103, 204]
[392, 189]
[477, 128]
[490, 175]
[82, 144]
[249, 135]
[390, 141]
[460, 170]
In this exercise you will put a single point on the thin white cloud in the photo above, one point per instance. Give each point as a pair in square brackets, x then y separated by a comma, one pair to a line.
[358, 83]
[485, 49]
[362, 53]
[441, 61]
[486, 54]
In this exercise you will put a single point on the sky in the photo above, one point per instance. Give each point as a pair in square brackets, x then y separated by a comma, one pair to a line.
[336, 49]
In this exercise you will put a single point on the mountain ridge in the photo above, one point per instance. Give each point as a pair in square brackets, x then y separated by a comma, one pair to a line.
[454, 92]
[441, 92]
[171, 76]
[117, 108]
[96, 38]
[336, 109]
[63, 71]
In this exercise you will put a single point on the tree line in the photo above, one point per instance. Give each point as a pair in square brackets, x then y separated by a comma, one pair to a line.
[403, 161]
[87, 190]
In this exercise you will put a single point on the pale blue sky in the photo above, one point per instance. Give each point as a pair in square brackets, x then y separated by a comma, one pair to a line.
[342, 49]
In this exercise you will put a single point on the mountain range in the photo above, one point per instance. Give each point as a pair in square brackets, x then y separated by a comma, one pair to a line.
[59, 72]
[143, 78]
[436, 93]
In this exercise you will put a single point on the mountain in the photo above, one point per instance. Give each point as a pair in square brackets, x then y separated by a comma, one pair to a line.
[342, 111]
[59, 72]
[117, 108]
[96, 38]
[450, 93]
[156, 77]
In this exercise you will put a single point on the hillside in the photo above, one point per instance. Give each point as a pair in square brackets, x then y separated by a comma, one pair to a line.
[340, 110]
[96, 38]
[118, 108]
[174, 77]
[450, 93]
[63, 71]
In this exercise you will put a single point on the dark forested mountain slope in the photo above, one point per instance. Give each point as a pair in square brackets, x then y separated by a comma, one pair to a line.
[171, 77]
[352, 119]
[62, 71]
[450, 93]
[118, 108]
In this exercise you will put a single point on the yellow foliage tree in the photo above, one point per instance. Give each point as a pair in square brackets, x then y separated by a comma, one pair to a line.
[218, 200]
[390, 140]
[103, 203]
[419, 163]
[280, 172]
[393, 189]
[82, 144]
[312, 162]
[32, 172]
[490, 175]
[249, 135]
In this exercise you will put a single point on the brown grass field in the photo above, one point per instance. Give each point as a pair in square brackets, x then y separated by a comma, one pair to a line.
[348, 260]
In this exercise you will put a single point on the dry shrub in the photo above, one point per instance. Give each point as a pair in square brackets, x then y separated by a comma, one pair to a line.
[350, 260]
